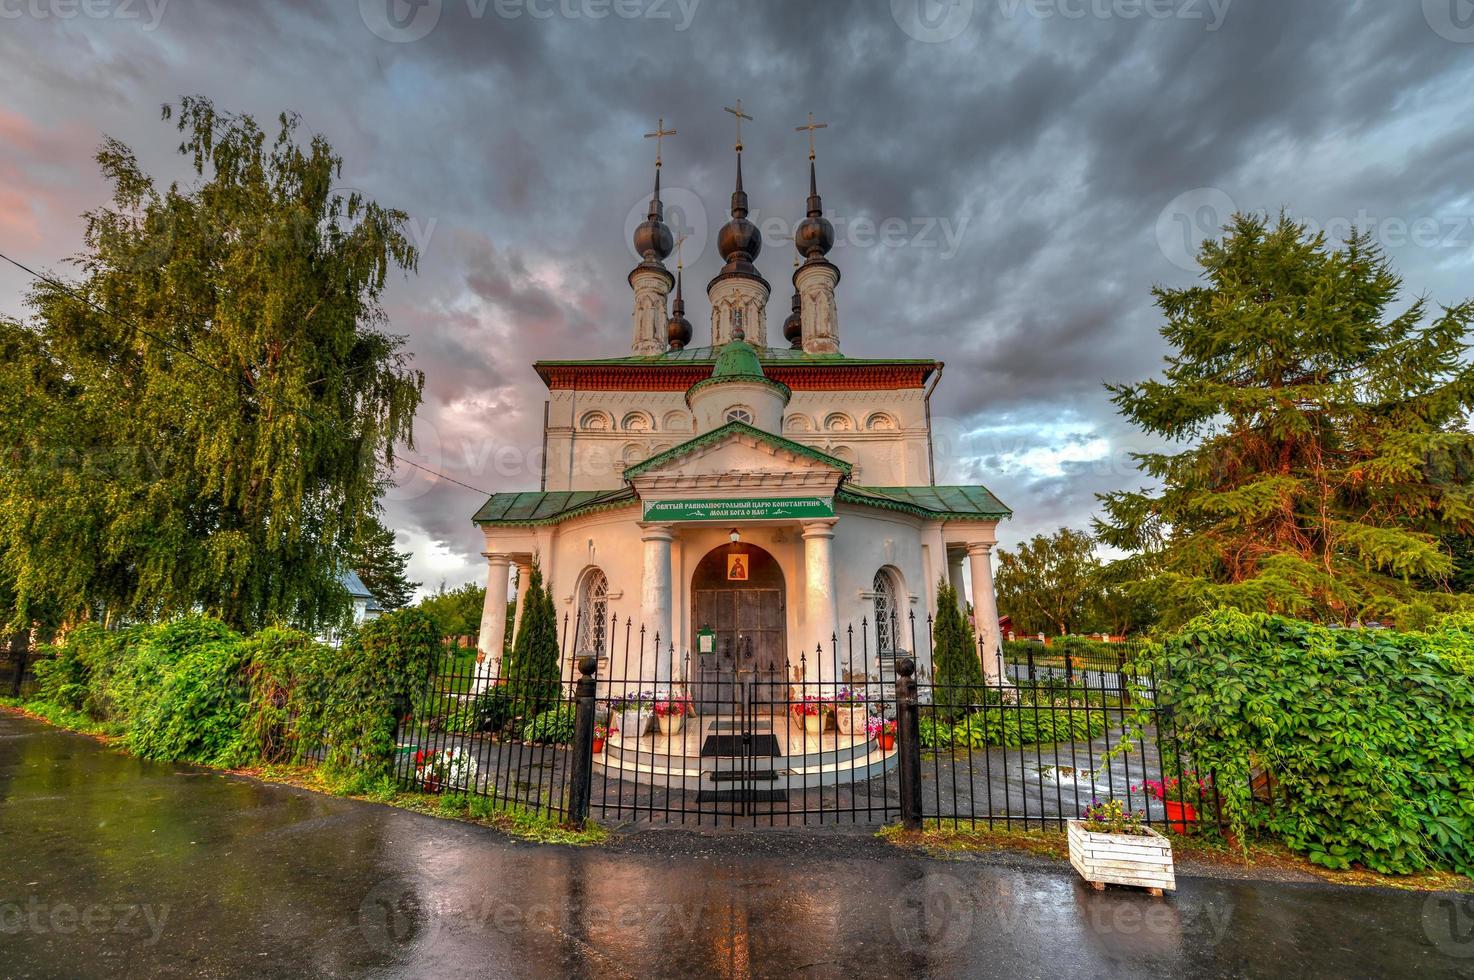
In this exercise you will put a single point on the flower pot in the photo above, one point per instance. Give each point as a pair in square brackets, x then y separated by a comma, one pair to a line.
[1143, 860]
[814, 724]
[672, 724]
[598, 746]
[851, 719]
[1180, 815]
[632, 723]
[886, 741]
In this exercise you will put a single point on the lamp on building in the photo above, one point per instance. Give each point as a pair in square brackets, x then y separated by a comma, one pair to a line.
[734, 536]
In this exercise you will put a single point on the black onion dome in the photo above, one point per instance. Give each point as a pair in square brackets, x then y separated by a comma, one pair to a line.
[678, 328]
[814, 236]
[739, 241]
[653, 240]
[793, 327]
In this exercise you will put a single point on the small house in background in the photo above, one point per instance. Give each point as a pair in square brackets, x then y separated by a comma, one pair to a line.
[364, 607]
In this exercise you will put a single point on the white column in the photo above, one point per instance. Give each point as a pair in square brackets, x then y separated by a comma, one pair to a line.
[955, 579]
[821, 618]
[492, 642]
[524, 575]
[655, 598]
[985, 610]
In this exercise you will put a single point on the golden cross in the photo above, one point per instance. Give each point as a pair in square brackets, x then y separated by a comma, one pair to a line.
[679, 242]
[740, 116]
[660, 133]
[811, 127]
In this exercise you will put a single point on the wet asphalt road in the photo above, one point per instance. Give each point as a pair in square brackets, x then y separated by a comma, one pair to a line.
[117, 867]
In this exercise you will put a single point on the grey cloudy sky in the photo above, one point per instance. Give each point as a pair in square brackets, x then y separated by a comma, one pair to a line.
[1009, 177]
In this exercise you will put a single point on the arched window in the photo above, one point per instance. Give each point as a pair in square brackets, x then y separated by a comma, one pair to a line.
[593, 615]
[594, 422]
[739, 413]
[881, 422]
[839, 422]
[887, 614]
[637, 422]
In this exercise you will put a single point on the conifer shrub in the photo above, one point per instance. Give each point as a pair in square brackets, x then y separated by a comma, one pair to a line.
[956, 664]
[531, 673]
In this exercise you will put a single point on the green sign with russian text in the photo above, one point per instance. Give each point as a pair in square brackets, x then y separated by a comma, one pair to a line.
[740, 509]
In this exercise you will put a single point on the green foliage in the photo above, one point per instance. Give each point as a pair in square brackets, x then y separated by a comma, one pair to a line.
[456, 612]
[192, 689]
[956, 664]
[1048, 584]
[236, 477]
[293, 682]
[531, 673]
[381, 566]
[1327, 454]
[1365, 734]
[385, 663]
[1012, 725]
[490, 711]
[197, 711]
[554, 727]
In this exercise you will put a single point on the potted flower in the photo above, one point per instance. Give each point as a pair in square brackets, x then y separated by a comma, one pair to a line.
[671, 713]
[1109, 845]
[601, 735]
[850, 711]
[814, 711]
[883, 731]
[633, 709]
[1180, 813]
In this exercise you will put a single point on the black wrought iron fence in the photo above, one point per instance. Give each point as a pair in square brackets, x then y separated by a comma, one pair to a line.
[741, 732]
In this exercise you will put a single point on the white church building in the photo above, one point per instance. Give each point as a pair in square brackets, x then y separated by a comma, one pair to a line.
[761, 488]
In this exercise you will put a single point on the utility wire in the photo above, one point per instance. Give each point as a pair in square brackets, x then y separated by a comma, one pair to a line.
[230, 376]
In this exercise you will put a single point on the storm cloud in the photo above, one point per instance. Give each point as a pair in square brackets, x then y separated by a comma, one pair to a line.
[1009, 179]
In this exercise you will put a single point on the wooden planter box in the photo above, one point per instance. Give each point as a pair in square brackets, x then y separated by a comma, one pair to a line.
[1143, 860]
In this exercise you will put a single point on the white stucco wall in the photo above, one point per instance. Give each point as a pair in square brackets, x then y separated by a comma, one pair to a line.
[882, 433]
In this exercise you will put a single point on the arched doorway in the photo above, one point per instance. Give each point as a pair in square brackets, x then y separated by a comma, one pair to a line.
[738, 592]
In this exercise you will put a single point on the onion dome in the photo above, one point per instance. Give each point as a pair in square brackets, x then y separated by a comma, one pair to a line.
[678, 328]
[738, 359]
[739, 241]
[814, 236]
[653, 240]
[793, 327]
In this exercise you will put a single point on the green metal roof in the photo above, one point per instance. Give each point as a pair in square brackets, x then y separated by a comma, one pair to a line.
[738, 360]
[717, 434]
[939, 502]
[536, 507]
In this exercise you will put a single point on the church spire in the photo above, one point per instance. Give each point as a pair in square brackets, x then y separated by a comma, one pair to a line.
[650, 280]
[678, 328]
[738, 294]
[814, 281]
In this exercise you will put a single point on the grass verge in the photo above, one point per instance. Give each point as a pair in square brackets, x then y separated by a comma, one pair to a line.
[938, 839]
[512, 819]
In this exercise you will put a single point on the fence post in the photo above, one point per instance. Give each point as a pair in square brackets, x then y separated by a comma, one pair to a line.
[20, 650]
[581, 778]
[908, 743]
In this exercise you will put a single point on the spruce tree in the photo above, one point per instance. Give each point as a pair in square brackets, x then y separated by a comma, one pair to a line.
[957, 666]
[1325, 453]
[532, 672]
[381, 566]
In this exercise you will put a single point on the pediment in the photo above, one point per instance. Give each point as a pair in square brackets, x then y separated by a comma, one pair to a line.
[739, 455]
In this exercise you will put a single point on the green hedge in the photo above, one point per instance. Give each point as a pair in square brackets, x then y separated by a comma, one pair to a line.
[194, 690]
[1013, 725]
[1366, 734]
